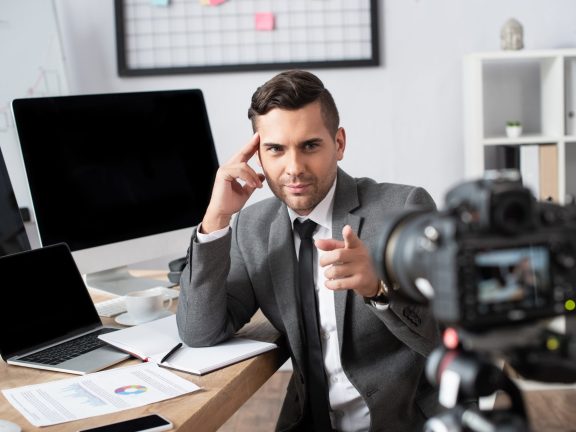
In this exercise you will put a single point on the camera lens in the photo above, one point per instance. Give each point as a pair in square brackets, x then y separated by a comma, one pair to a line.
[397, 256]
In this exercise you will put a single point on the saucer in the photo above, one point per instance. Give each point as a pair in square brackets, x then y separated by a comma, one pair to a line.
[7, 426]
[127, 320]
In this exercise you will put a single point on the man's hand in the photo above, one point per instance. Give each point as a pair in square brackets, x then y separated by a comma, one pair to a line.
[228, 194]
[348, 264]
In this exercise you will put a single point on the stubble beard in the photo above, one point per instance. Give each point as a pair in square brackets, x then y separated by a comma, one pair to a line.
[301, 204]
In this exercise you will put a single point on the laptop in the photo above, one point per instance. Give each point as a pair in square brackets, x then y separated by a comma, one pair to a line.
[47, 318]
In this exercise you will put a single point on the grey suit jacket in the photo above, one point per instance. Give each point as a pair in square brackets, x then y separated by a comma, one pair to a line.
[254, 266]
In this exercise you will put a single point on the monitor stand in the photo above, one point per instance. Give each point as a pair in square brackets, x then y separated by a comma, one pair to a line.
[120, 281]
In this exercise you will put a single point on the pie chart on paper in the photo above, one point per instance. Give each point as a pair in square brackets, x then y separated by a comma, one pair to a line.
[128, 390]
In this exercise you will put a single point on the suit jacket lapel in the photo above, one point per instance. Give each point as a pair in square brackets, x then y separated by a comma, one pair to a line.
[345, 200]
[281, 255]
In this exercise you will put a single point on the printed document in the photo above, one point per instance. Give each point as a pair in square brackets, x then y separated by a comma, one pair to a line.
[97, 393]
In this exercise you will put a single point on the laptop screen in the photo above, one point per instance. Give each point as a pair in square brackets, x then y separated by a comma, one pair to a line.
[43, 298]
[13, 236]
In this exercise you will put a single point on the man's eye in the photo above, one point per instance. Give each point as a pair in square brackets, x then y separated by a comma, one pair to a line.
[311, 146]
[274, 149]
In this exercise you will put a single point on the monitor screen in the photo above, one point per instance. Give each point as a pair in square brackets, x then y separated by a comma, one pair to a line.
[13, 237]
[106, 169]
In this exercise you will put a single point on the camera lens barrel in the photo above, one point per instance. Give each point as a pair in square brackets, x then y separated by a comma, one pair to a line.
[404, 237]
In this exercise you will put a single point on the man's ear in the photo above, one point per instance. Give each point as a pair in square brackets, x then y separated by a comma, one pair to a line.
[340, 142]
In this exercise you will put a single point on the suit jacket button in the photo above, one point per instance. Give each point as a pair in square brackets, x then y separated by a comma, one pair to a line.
[412, 316]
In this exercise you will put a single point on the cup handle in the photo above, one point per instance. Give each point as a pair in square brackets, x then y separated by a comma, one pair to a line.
[167, 306]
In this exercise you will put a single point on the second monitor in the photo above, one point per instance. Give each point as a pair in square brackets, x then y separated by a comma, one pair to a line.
[121, 178]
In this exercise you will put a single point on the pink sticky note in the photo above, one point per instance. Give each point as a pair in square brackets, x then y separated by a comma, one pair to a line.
[264, 21]
[216, 2]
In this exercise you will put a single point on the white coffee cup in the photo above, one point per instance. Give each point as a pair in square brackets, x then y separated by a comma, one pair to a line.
[143, 306]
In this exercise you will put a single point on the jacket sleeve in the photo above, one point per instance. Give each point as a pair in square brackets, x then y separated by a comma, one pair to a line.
[216, 296]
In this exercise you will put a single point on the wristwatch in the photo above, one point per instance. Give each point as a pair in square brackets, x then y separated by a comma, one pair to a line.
[381, 297]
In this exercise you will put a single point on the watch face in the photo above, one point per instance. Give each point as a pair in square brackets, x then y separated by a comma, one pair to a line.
[380, 303]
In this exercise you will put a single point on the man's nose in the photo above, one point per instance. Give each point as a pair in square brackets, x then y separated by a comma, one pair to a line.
[294, 164]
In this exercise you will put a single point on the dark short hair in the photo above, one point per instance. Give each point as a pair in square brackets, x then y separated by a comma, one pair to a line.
[292, 90]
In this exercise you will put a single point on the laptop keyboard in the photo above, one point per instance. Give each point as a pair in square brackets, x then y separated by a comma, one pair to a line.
[68, 350]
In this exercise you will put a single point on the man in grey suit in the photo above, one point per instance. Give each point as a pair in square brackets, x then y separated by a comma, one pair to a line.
[373, 342]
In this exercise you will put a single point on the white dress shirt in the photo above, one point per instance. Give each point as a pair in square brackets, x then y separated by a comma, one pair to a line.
[349, 411]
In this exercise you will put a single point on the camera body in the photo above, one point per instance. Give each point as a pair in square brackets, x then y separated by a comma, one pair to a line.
[494, 256]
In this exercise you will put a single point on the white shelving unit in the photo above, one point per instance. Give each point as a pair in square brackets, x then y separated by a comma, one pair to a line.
[537, 88]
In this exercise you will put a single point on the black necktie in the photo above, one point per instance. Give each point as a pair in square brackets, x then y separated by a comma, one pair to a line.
[317, 386]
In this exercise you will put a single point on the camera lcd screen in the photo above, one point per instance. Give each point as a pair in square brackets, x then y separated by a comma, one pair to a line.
[517, 275]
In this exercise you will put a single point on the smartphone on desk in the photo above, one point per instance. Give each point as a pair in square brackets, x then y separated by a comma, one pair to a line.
[149, 423]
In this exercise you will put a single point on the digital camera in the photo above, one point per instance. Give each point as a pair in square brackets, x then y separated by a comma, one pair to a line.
[494, 256]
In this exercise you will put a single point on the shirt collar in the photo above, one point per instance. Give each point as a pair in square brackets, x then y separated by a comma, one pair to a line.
[321, 214]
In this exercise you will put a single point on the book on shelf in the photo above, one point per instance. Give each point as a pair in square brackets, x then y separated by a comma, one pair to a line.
[549, 172]
[530, 167]
[153, 340]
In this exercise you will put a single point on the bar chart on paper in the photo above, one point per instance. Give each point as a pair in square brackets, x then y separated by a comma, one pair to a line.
[96, 394]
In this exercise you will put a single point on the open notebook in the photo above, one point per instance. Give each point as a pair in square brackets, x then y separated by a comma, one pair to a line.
[153, 340]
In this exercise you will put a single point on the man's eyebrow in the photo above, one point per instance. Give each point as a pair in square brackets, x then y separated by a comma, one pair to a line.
[311, 141]
[316, 140]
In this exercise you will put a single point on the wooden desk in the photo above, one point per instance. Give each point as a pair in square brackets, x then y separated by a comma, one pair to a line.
[551, 410]
[223, 391]
[548, 409]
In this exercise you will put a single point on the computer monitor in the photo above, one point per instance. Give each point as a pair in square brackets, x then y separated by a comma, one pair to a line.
[13, 237]
[121, 178]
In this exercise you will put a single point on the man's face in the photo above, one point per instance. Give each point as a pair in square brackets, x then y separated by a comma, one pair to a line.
[299, 155]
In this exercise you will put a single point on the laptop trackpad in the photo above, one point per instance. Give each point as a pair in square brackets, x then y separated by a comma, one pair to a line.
[95, 360]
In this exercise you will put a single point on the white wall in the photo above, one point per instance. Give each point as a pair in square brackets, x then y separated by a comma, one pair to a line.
[403, 118]
[32, 66]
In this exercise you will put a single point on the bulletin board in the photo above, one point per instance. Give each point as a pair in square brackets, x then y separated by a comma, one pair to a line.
[156, 37]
